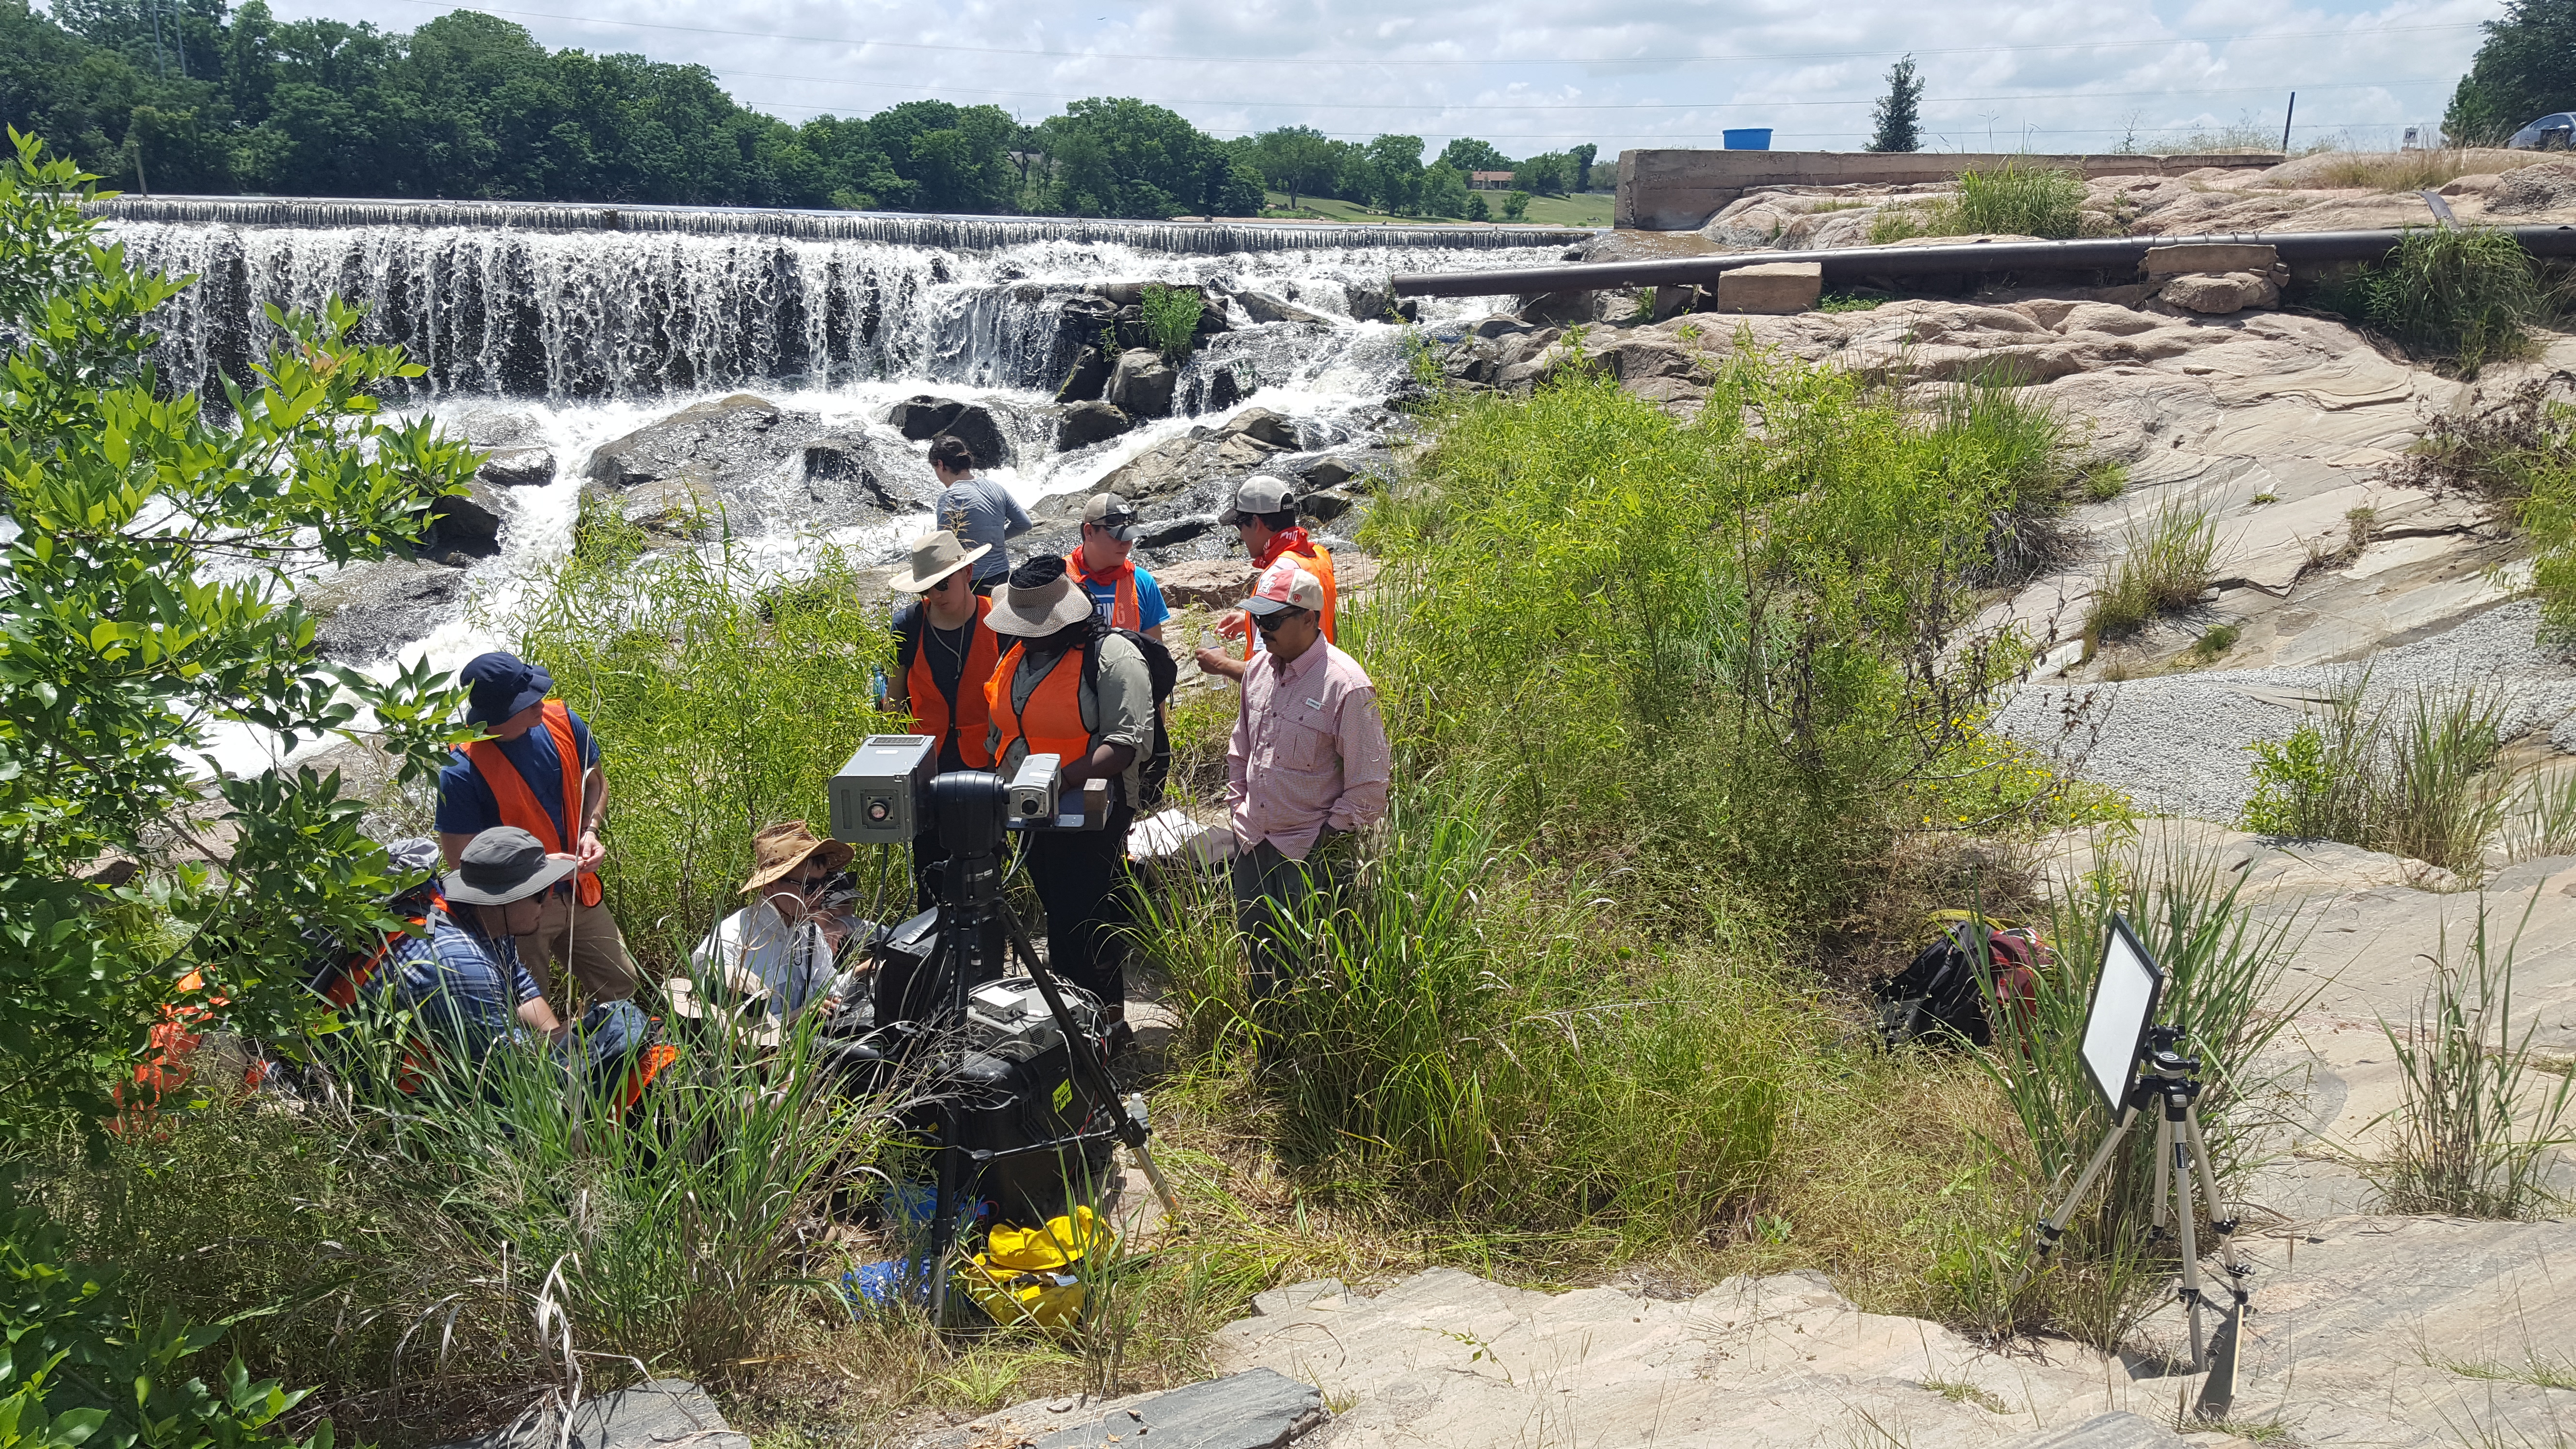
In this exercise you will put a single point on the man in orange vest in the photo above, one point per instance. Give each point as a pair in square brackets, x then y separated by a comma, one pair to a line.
[537, 769]
[1263, 513]
[1068, 687]
[1126, 595]
[943, 656]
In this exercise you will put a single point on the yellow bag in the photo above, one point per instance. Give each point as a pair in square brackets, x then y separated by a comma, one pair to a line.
[1026, 1275]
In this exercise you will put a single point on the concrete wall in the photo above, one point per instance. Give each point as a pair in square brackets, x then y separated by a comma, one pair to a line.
[1681, 190]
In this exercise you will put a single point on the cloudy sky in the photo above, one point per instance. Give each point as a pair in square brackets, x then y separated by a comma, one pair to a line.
[2043, 75]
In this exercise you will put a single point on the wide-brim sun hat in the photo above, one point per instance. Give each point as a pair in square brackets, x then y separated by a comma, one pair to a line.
[501, 865]
[780, 850]
[1041, 599]
[934, 557]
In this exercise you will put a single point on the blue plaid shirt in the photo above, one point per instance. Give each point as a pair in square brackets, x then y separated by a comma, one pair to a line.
[461, 985]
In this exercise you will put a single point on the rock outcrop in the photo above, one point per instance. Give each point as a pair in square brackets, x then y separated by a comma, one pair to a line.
[1141, 384]
[924, 417]
[1086, 423]
[366, 612]
[762, 466]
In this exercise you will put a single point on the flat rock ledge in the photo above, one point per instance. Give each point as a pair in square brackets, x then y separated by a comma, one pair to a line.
[1255, 1409]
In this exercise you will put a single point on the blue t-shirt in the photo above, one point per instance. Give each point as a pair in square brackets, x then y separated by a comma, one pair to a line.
[465, 803]
[1151, 611]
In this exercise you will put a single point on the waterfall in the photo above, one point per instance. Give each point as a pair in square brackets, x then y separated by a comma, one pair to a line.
[950, 233]
[707, 301]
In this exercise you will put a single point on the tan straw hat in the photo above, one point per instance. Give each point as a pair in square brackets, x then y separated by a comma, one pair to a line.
[780, 850]
[1040, 599]
[934, 557]
[735, 996]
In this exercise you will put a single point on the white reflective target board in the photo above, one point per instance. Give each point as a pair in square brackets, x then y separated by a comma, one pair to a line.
[2124, 1004]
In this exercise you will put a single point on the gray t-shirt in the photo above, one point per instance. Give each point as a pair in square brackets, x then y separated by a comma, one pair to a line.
[1119, 711]
[980, 511]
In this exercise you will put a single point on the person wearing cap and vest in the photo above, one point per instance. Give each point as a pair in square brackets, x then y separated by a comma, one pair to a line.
[464, 982]
[1126, 595]
[536, 768]
[780, 940]
[1263, 513]
[944, 654]
[1100, 723]
[1308, 765]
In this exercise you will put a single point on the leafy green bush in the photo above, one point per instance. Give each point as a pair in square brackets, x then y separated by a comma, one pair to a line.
[1172, 317]
[2416, 781]
[2467, 296]
[1719, 646]
[77, 1367]
[722, 701]
[146, 604]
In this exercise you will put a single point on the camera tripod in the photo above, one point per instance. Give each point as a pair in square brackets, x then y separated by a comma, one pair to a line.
[975, 928]
[2166, 1077]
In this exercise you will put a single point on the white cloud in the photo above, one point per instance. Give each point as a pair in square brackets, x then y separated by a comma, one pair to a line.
[2056, 74]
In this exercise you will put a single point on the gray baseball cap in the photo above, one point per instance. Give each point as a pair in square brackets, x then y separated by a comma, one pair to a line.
[1260, 493]
[501, 865]
[1113, 514]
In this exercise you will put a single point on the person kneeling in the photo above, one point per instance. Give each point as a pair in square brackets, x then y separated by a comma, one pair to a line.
[463, 980]
[776, 953]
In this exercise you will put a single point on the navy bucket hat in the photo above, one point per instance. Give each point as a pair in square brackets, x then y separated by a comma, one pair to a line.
[499, 685]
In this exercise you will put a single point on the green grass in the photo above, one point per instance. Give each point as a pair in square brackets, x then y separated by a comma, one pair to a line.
[2413, 777]
[2466, 297]
[1847, 302]
[2164, 565]
[2011, 200]
[1172, 317]
[2215, 641]
[2474, 1136]
[1590, 209]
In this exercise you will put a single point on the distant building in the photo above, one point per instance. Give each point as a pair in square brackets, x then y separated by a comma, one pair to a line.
[1489, 180]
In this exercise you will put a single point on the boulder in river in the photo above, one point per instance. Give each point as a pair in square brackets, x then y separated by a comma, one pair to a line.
[519, 468]
[1086, 423]
[367, 611]
[762, 467]
[1142, 384]
[709, 440]
[925, 416]
[467, 523]
[1263, 426]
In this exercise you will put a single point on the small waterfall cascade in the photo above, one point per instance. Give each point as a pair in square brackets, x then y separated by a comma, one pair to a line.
[494, 310]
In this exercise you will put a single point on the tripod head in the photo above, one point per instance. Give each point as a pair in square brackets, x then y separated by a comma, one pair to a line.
[2160, 1052]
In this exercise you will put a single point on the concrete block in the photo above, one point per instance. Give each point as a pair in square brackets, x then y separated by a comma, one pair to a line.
[2210, 257]
[1771, 287]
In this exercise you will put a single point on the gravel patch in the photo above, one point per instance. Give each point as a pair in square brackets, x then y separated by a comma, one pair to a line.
[2177, 744]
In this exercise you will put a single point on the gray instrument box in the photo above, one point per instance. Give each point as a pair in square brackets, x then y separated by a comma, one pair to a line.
[878, 796]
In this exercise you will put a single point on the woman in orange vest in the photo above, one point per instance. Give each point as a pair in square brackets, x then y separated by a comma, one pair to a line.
[1263, 513]
[1070, 688]
[944, 654]
[1125, 594]
[536, 768]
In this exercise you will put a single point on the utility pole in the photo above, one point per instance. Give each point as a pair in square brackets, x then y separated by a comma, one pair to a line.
[2285, 122]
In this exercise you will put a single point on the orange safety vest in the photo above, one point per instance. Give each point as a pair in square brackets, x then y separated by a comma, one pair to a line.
[1315, 559]
[935, 714]
[1124, 611]
[1054, 722]
[518, 803]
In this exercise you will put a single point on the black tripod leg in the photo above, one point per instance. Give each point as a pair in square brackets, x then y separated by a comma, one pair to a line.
[1091, 1071]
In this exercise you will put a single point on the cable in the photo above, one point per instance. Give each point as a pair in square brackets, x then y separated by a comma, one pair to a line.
[1585, 106]
[1380, 62]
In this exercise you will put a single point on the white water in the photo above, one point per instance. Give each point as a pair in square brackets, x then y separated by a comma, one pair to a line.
[592, 335]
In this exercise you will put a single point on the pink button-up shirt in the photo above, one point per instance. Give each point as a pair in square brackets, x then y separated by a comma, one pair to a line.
[1309, 751]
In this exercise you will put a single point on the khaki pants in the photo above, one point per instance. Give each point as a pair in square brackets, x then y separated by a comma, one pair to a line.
[586, 937]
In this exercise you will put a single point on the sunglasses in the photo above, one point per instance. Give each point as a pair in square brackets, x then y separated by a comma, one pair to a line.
[1269, 623]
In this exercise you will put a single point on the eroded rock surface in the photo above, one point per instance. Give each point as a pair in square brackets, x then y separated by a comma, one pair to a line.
[760, 465]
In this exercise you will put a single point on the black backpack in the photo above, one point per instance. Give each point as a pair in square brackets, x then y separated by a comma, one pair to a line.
[1937, 994]
[1156, 771]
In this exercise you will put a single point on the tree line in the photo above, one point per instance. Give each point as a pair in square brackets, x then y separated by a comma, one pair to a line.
[194, 96]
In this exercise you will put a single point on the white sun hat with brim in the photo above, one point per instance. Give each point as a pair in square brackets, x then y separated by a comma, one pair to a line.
[934, 557]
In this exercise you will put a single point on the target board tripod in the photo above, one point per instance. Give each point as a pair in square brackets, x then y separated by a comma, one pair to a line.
[2168, 1083]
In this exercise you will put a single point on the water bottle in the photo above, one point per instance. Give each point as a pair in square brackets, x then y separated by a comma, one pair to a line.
[1135, 1105]
[877, 671]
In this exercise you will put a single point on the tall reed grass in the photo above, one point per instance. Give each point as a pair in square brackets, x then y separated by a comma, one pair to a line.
[2475, 1135]
[2011, 200]
[2467, 296]
[2413, 777]
[2165, 562]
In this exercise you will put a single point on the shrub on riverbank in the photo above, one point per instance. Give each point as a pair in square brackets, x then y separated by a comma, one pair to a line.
[2465, 296]
[2011, 200]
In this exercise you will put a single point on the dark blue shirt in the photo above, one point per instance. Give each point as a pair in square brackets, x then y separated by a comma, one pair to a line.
[465, 803]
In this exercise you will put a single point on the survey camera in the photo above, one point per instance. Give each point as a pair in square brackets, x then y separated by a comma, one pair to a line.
[891, 792]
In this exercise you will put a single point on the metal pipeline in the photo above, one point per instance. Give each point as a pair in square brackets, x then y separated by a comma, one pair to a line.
[1854, 264]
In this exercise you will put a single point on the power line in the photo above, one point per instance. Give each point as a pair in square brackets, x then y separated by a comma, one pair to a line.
[1584, 106]
[1377, 61]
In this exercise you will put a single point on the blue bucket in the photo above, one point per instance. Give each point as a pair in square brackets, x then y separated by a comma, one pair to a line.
[1756, 138]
